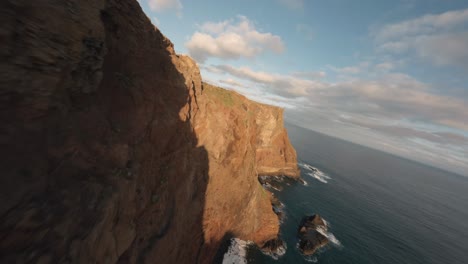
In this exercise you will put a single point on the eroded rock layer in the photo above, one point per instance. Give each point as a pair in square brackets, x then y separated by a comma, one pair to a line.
[114, 151]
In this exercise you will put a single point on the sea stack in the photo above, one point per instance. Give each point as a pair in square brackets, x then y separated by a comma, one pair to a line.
[310, 237]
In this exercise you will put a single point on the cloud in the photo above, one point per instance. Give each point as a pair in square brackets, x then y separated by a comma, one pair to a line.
[397, 96]
[231, 40]
[400, 130]
[423, 25]
[293, 4]
[289, 86]
[440, 39]
[390, 111]
[390, 95]
[440, 49]
[361, 67]
[311, 75]
[444, 49]
[385, 66]
[231, 82]
[162, 5]
[347, 70]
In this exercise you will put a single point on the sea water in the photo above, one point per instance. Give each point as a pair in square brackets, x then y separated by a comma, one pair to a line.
[380, 208]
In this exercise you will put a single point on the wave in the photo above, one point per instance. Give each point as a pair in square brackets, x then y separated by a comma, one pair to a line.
[278, 208]
[312, 259]
[315, 173]
[276, 255]
[309, 258]
[272, 187]
[329, 235]
[307, 166]
[320, 176]
[237, 252]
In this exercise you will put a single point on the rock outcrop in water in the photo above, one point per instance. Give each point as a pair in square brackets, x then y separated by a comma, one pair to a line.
[310, 238]
[115, 151]
[275, 247]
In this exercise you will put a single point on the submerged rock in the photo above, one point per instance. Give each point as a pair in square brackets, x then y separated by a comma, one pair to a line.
[310, 237]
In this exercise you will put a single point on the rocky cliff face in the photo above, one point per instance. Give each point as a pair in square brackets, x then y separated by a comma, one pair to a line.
[113, 150]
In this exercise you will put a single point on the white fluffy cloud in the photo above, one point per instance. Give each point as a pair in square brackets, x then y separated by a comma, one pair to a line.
[162, 5]
[231, 40]
[441, 39]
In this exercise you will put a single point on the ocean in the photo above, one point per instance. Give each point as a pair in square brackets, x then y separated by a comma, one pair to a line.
[380, 208]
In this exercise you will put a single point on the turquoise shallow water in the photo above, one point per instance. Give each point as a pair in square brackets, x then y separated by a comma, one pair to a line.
[381, 208]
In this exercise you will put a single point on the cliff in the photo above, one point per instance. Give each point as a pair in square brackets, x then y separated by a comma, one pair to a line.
[114, 151]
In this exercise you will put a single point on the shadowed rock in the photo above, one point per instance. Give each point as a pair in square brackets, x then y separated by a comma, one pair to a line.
[274, 247]
[115, 151]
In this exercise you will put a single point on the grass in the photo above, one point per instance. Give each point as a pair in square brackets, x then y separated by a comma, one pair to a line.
[224, 96]
[263, 192]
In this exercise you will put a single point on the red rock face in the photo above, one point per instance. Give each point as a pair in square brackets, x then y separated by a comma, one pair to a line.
[113, 150]
[275, 155]
[240, 137]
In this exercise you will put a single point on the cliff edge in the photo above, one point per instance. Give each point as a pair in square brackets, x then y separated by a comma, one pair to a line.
[115, 151]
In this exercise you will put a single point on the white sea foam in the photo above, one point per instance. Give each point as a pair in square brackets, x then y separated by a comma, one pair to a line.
[329, 235]
[237, 252]
[323, 175]
[307, 166]
[308, 258]
[319, 176]
[315, 173]
[280, 252]
[275, 188]
[326, 223]
[311, 259]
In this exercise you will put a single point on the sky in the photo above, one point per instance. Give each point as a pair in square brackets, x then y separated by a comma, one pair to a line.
[390, 75]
